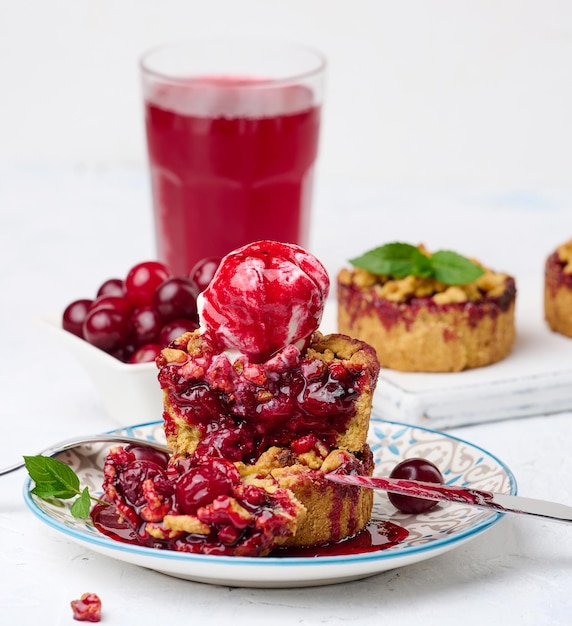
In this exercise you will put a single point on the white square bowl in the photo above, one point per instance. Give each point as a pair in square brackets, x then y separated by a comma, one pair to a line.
[130, 393]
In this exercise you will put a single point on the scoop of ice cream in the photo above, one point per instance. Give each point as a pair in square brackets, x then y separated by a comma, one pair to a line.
[264, 296]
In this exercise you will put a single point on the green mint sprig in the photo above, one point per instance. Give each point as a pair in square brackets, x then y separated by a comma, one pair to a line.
[54, 479]
[399, 260]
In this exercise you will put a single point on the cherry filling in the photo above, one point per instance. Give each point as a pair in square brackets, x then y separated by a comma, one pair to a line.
[391, 313]
[87, 608]
[243, 408]
[197, 505]
[203, 505]
[554, 273]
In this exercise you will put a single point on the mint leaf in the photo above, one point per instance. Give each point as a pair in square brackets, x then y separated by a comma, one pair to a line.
[394, 259]
[52, 490]
[453, 269]
[82, 505]
[46, 470]
[54, 479]
[37, 468]
[399, 260]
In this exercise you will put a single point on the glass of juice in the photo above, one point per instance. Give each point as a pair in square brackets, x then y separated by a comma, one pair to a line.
[232, 136]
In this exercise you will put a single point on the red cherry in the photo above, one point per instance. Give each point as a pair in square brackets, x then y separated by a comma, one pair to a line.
[123, 353]
[145, 323]
[200, 485]
[175, 329]
[415, 469]
[146, 453]
[142, 280]
[116, 303]
[202, 273]
[106, 329]
[146, 354]
[132, 478]
[176, 298]
[112, 287]
[74, 316]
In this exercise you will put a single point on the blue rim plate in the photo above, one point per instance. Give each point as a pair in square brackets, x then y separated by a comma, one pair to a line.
[445, 527]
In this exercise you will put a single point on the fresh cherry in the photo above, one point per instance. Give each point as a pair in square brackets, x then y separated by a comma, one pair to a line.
[145, 354]
[74, 316]
[202, 273]
[174, 329]
[175, 298]
[117, 303]
[145, 312]
[112, 287]
[415, 469]
[123, 353]
[106, 329]
[146, 324]
[142, 280]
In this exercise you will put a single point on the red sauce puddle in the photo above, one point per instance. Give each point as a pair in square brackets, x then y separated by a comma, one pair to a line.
[377, 535]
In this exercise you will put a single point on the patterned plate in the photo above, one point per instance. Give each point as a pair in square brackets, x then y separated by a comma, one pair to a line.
[443, 528]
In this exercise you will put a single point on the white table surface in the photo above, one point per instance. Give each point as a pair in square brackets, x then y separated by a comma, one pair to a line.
[64, 230]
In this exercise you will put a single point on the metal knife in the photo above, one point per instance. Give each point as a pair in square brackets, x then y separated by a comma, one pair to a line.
[498, 502]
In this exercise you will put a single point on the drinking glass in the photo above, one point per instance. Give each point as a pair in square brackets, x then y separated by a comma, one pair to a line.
[232, 137]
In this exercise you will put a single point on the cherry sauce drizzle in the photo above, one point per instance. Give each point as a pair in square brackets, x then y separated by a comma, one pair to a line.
[376, 536]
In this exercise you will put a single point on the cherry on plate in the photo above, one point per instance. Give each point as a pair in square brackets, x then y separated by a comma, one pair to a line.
[200, 485]
[415, 469]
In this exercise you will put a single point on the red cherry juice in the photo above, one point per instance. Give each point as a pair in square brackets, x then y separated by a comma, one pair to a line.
[231, 162]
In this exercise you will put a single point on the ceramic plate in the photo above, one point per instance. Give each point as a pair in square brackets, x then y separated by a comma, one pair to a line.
[445, 527]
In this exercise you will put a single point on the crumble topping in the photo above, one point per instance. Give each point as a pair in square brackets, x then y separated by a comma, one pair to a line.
[565, 255]
[490, 284]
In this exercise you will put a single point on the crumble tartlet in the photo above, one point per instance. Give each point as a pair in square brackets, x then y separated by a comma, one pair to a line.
[334, 512]
[558, 290]
[419, 324]
[259, 407]
[307, 411]
[242, 408]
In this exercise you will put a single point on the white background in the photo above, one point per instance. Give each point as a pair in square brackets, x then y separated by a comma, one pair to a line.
[446, 121]
[419, 91]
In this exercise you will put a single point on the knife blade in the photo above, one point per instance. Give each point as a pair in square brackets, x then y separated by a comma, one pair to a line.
[498, 502]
